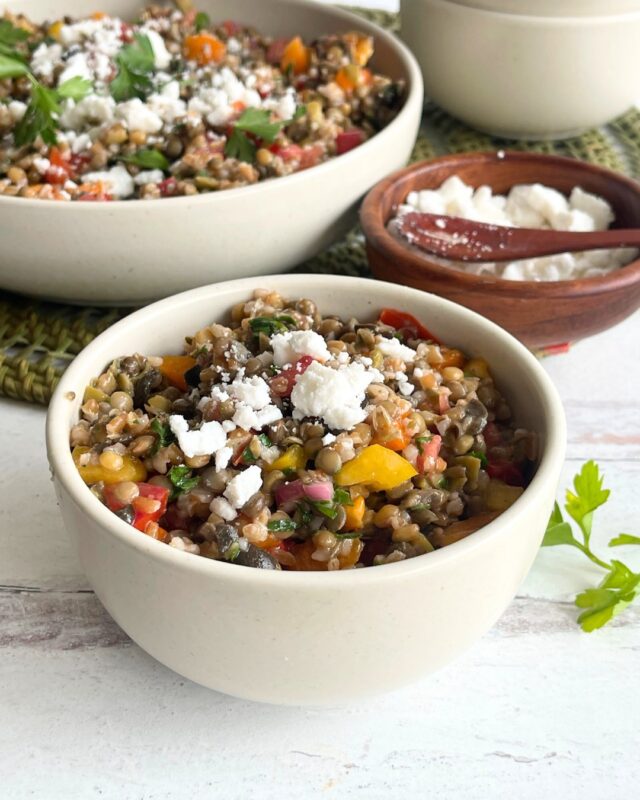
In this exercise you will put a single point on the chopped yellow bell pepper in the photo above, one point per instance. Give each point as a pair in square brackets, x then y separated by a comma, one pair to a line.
[477, 368]
[132, 469]
[293, 458]
[355, 515]
[93, 393]
[55, 28]
[377, 467]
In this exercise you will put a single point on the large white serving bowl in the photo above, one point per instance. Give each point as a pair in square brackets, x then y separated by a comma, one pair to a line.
[307, 637]
[541, 69]
[132, 251]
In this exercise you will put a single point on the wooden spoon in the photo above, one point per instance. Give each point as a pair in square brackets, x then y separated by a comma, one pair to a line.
[461, 239]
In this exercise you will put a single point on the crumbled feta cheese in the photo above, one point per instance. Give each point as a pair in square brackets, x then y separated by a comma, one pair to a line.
[243, 486]
[45, 59]
[91, 110]
[334, 395]
[216, 102]
[395, 349]
[223, 456]
[17, 109]
[253, 391]
[161, 56]
[204, 441]
[223, 508]
[284, 107]
[149, 176]
[138, 117]
[288, 347]
[117, 180]
[527, 206]
[328, 438]
[405, 387]
[41, 164]
[248, 419]
[77, 67]
[228, 425]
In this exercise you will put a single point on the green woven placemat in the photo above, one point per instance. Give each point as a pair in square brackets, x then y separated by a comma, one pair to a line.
[38, 340]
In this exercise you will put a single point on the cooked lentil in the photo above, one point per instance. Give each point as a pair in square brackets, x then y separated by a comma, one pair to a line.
[175, 104]
[272, 469]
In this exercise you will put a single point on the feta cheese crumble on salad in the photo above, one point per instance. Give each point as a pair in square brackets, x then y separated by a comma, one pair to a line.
[298, 441]
[176, 104]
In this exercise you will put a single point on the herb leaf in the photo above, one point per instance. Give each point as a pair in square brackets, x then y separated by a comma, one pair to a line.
[182, 481]
[135, 61]
[258, 122]
[38, 119]
[75, 88]
[484, 461]
[620, 584]
[271, 325]
[148, 159]
[277, 525]
[10, 36]
[164, 433]
[11, 67]
[588, 496]
[240, 147]
[202, 21]
[624, 538]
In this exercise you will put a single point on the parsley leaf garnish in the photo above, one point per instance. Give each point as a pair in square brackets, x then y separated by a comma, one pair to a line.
[240, 147]
[271, 325]
[257, 122]
[148, 159]
[38, 119]
[75, 89]
[202, 21]
[135, 61]
[182, 480]
[620, 585]
[484, 461]
[11, 66]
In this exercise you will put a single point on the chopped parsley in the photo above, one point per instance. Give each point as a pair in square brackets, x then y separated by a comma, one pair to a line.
[271, 325]
[164, 433]
[248, 456]
[257, 123]
[148, 159]
[422, 440]
[182, 480]
[10, 36]
[484, 461]
[278, 525]
[135, 62]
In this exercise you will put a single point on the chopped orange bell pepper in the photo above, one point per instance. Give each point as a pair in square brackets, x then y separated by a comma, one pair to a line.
[376, 466]
[98, 15]
[350, 77]
[355, 515]
[295, 56]
[204, 48]
[451, 358]
[174, 367]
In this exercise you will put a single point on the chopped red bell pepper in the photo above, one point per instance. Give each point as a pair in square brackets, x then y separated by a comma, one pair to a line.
[428, 452]
[407, 324]
[349, 140]
[291, 374]
[275, 50]
[230, 27]
[492, 435]
[147, 490]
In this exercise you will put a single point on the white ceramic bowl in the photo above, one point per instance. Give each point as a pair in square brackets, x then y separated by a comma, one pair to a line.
[132, 251]
[307, 638]
[541, 69]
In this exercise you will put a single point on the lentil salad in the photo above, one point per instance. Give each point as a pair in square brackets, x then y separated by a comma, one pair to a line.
[292, 440]
[176, 104]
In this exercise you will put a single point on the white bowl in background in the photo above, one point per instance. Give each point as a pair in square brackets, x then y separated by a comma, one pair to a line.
[307, 637]
[540, 69]
[128, 252]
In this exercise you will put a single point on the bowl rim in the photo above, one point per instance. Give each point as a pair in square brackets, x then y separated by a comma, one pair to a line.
[415, 90]
[64, 471]
[378, 236]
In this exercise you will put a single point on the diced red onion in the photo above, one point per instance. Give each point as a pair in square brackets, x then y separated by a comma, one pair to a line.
[321, 491]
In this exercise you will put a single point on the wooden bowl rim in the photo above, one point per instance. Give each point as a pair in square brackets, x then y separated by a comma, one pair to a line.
[377, 235]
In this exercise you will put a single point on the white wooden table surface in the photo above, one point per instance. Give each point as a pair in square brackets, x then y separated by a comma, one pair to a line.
[537, 710]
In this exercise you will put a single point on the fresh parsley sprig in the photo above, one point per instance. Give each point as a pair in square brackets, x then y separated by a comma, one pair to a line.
[148, 159]
[182, 480]
[258, 123]
[620, 585]
[43, 110]
[135, 63]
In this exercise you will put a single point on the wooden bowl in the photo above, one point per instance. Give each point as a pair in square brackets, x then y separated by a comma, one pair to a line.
[538, 313]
